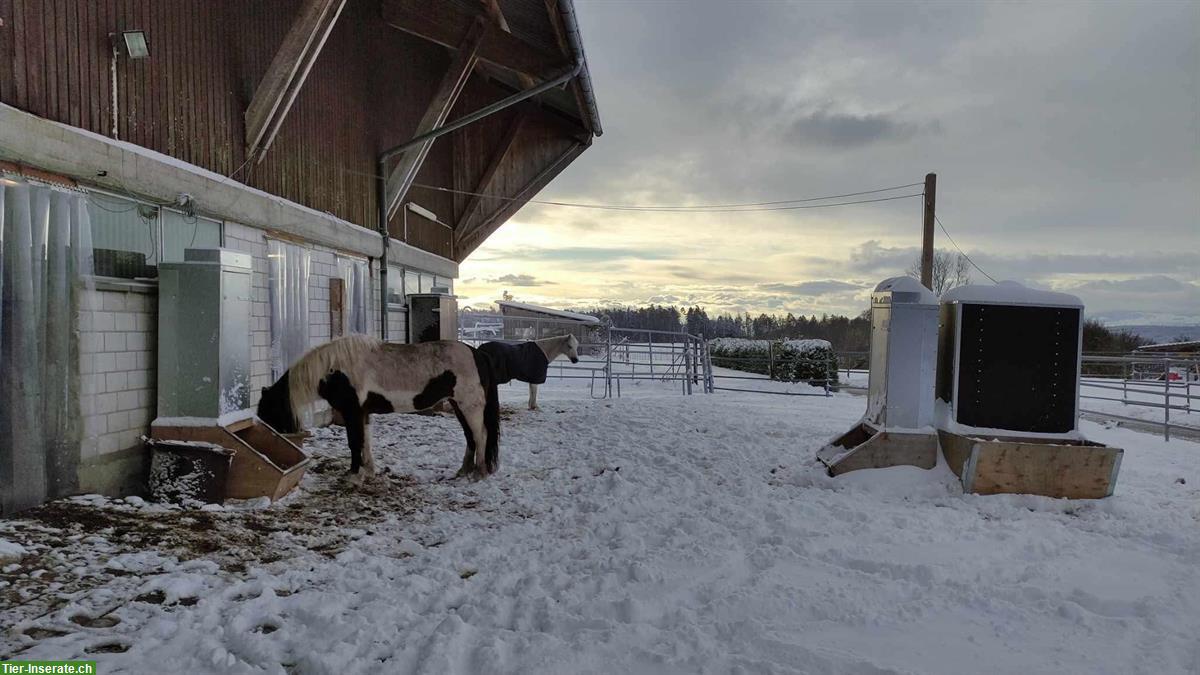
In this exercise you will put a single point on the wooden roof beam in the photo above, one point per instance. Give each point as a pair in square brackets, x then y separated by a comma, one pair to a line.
[401, 178]
[445, 23]
[467, 242]
[493, 167]
[492, 7]
[289, 68]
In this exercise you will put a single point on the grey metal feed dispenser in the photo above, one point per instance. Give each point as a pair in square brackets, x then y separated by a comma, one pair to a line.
[204, 310]
[898, 427]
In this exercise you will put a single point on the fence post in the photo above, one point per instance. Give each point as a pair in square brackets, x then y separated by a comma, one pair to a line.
[608, 362]
[1167, 399]
[687, 365]
[770, 360]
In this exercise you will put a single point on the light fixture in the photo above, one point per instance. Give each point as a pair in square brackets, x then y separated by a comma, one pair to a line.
[135, 44]
[422, 211]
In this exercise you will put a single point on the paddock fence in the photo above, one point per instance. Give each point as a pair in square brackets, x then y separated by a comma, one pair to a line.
[610, 359]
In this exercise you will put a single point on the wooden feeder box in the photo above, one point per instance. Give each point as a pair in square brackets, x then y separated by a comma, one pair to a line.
[1060, 467]
[265, 463]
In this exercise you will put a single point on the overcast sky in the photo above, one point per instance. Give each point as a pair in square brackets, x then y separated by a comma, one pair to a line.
[1066, 139]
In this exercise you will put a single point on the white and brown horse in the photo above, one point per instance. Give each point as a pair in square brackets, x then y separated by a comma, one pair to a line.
[359, 375]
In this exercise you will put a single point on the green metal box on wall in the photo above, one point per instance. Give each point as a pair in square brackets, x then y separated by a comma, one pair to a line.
[204, 334]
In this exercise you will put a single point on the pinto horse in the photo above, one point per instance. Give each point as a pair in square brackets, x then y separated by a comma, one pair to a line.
[529, 361]
[359, 375]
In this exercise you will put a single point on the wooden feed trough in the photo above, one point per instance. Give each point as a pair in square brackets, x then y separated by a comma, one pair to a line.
[265, 463]
[1074, 469]
[868, 447]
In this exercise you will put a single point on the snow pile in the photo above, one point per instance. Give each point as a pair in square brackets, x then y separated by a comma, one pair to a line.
[657, 534]
[10, 552]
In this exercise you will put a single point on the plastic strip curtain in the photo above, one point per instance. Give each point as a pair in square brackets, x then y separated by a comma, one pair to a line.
[356, 277]
[45, 254]
[289, 275]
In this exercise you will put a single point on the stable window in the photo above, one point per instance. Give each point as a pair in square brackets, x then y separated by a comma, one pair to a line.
[125, 236]
[395, 289]
[412, 282]
[181, 231]
[132, 237]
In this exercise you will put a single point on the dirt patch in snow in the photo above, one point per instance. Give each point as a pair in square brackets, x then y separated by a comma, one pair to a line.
[79, 544]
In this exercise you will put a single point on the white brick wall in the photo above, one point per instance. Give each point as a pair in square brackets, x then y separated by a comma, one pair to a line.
[118, 339]
[117, 336]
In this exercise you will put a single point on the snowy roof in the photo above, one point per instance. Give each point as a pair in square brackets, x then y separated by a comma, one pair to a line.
[584, 318]
[907, 285]
[1186, 346]
[1009, 293]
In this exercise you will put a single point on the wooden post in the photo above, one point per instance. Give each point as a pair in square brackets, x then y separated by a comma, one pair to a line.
[927, 241]
[337, 305]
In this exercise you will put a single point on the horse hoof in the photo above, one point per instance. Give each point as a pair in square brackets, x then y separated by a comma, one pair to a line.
[356, 479]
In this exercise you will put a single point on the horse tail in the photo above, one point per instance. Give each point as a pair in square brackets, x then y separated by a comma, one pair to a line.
[491, 408]
[346, 354]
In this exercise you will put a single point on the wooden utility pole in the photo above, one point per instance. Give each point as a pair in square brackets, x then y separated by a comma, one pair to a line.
[927, 242]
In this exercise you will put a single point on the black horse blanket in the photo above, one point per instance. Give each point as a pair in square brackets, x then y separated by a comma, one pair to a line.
[525, 362]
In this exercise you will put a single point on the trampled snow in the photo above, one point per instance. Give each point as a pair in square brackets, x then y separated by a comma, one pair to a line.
[655, 533]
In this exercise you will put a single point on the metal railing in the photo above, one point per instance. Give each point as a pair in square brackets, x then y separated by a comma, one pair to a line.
[608, 356]
[1138, 382]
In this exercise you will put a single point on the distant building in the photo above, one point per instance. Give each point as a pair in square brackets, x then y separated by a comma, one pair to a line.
[524, 321]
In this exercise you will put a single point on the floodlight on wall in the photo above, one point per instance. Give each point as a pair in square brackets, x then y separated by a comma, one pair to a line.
[136, 46]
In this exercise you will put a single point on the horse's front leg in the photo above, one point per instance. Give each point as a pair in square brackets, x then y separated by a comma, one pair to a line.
[355, 433]
[533, 396]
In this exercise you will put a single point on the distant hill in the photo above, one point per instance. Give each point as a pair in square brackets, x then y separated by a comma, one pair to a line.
[1157, 334]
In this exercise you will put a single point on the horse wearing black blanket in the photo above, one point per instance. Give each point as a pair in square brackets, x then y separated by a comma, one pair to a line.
[529, 361]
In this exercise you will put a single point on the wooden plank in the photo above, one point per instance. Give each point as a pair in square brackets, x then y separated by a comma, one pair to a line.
[444, 23]
[6, 51]
[288, 70]
[19, 45]
[489, 174]
[1073, 472]
[492, 7]
[337, 307]
[1068, 468]
[400, 179]
[469, 241]
[35, 56]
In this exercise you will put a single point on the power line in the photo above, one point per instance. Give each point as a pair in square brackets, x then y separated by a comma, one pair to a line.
[748, 205]
[963, 253]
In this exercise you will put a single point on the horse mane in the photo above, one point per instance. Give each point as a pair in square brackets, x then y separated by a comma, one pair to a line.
[345, 354]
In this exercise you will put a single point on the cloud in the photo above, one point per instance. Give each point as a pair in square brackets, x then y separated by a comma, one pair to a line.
[519, 280]
[810, 288]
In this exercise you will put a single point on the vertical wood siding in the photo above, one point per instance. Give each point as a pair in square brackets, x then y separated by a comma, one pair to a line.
[365, 93]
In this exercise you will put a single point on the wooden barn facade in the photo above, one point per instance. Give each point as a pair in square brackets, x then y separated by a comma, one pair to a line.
[356, 150]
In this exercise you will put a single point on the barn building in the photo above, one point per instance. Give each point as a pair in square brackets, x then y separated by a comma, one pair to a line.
[355, 150]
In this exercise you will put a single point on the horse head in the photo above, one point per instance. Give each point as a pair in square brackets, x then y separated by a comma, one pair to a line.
[275, 407]
[571, 348]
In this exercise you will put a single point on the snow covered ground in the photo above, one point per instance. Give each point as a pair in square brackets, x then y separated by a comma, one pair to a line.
[649, 534]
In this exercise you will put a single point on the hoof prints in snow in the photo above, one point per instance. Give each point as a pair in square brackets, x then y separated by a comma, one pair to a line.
[717, 547]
